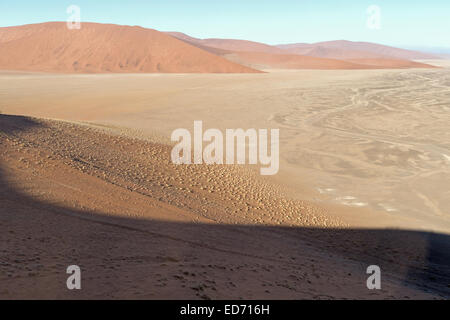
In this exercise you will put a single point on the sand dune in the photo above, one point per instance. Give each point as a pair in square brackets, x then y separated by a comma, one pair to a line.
[261, 56]
[231, 44]
[95, 47]
[344, 50]
[259, 60]
[98, 48]
[198, 43]
[140, 228]
[18, 32]
[308, 56]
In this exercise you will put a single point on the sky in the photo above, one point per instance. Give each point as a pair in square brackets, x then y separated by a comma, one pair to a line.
[403, 23]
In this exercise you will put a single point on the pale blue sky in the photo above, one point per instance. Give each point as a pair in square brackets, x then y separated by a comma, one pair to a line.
[403, 23]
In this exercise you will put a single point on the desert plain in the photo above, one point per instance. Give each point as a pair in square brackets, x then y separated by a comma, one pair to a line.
[86, 179]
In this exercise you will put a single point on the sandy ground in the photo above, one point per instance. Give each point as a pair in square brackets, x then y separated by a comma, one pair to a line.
[438, 63]
[140, 227]
[375, 143]
[358, 154]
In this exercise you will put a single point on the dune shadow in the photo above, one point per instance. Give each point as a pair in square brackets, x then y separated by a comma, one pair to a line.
[125, 257]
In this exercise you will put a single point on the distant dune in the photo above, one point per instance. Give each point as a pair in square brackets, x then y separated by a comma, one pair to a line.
[230, 44]
[345, 50]
[98, 48]
[108, 48]
[198, 43]
[262, 60]
[334, 53]
[326, 55]
[259, 60]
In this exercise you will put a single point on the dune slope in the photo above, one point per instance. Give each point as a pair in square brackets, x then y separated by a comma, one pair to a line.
[230, 44]
[139, 228]
[51, 47]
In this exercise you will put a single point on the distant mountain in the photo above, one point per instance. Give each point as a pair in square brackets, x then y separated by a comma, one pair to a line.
[52, 47]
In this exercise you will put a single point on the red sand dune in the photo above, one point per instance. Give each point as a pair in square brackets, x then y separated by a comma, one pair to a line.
[230, 44]
[307, 56]
[18, 32]
[97, 48]
[51, 47]
[198, 43]
[345, 50]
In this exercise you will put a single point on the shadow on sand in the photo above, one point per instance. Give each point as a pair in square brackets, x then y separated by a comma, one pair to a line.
[133, 258]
